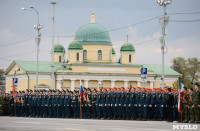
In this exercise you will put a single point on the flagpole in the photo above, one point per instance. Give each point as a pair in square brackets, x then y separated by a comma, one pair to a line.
[80, 100]
[80, 109]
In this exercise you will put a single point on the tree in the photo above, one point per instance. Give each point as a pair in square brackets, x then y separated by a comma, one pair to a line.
[193, 69]
[189, 69]
[1, 72]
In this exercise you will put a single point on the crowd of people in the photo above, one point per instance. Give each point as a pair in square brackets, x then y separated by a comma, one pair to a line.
[109, 103]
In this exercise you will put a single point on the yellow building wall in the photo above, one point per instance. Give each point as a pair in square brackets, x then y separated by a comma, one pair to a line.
[12, 71]
[106, 83]
[67, 83]
[119, 84]
[167, 83]
[92, 84]
[72, 56]
[132, 83]
[56, 57]
[77, 83]
[129, 70]
[21, 86]
[92, 55]
[113, 58]
[125, 57]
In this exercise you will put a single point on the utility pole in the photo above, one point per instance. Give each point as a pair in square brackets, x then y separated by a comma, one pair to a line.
[52, 50]
[63, 62]
[38, 27]
[163, 22]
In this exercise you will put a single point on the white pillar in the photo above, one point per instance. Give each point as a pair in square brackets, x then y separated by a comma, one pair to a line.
[86, 83]
[151, 84]
[99, 83]
[72, 85]
[125, 84]
[112, 83]
[138, 83]
[58, 84]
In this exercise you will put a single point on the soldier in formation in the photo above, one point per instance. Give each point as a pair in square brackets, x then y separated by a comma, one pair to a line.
[108, 103]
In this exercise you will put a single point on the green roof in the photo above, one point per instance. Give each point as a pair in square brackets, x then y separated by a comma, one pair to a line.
[127, 47]
[113, 51]
[157, 69]
[75, 45]
[93, 33]
[59, 48]
[30, 66]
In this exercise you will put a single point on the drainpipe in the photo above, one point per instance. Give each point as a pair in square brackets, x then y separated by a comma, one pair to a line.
[28, 79]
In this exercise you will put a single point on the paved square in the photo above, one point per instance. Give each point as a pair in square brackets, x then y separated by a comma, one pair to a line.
[54, 124]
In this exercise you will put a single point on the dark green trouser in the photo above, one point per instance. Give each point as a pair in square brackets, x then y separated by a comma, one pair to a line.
[185, 112]
[191, 111]
[196, 112]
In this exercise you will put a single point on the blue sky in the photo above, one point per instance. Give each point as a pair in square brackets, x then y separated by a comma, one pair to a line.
[17, 25]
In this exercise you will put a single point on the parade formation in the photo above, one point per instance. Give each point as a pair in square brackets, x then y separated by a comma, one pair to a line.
[112, 103]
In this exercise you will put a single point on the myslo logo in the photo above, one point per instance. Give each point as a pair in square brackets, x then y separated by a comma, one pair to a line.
[185, 127]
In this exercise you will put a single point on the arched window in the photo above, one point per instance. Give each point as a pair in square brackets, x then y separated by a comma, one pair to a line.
[84, 54]
[129, 58]
[77, 56]
[99, 55]
[60, 59]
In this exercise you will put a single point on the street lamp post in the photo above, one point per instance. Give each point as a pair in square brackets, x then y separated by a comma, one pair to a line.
[163, 22]
[37, 40]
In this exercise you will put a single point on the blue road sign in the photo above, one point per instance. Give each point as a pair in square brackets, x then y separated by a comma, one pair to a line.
[15, 81]
[144, 71]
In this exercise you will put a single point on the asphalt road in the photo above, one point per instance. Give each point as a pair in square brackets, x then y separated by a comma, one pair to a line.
[55, 124]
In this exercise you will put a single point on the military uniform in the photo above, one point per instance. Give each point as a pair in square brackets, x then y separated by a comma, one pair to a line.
[191, 107]
[114, 105]
[123, 106]
[67, 105]
[45, 106]
[104, 114]
[118, 102]
[127, 106]
[62, 99]
[99, 105]
[108, 105]
[185, 107]
[133, 105]
[89, 104]
[196, 106]
[50, 106]
[11, 106]
[94, 111]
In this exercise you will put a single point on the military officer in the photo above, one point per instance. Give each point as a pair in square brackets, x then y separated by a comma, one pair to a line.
[113, 103]
[185, 105]
[108, 103]
[99, 104]
[169, 102]
[104, 115]
[127, 104]
[191, 105]
[49, 104]
[94, 97]
[197, 103]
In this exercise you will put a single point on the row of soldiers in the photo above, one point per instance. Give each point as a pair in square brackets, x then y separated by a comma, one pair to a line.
[191, 104]
[112, 103]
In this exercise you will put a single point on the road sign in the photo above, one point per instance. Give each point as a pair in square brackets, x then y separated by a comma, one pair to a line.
[144, 75]
[143, 71]
[15, 81]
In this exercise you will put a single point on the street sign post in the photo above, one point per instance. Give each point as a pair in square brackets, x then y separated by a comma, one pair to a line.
[143, 75]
